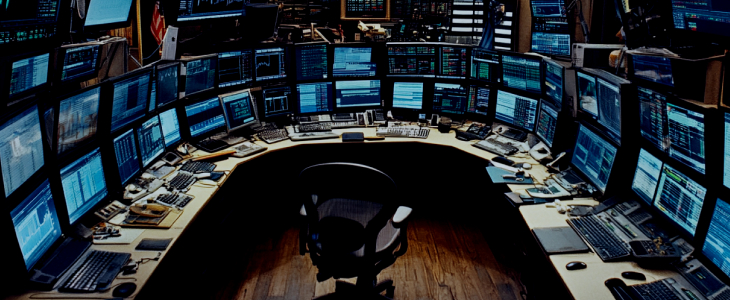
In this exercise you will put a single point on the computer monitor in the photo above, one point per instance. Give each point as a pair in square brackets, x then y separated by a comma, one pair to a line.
[125, 151]
[311, 61]
[24, 21]
[108, 14]
[711, 17]
[587, 93]
[36, 224]
[687, 136]
[548, 8]
[239, 109]
[516, 110]
[170, 127]
[646, 177]
[653, 68]
[408, 95]
[485, 65]
[726, 152]
[153, 96]
[79, 62]
[353, 61]
[594, 157]
[235, 68]
[521, 72]
[270, 63]
[205, 116]
[449, 98]
[357, 93]
[83, 184]
[547, 121]
[151, 140]
[314, 97]
[409, 60]
[551, 43]
[554, 83]
[609, 102]
[166, 87]
[716, 246]
[203, 10]
[453, 62]
[77, 119]
[200, 74]
[130, 98]
[21, 146]
[277, 101]
[680, 198]
[478, 102]
[28, 73]
[653, 120]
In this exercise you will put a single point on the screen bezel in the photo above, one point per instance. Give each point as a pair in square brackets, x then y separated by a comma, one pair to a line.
[157, 83]
[296, 66]
[183, 77]
[110, 96]
[338, 108]
[61, 57]
[562, 68]
[7, 72]
[113, 25]
[502, 54]
[252, 106]
[331, 97]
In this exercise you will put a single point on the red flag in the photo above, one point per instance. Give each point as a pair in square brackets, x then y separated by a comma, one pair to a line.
[158, 24]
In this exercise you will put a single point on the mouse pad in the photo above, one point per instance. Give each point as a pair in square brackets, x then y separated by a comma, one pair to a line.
[153, 244]
[560, 240]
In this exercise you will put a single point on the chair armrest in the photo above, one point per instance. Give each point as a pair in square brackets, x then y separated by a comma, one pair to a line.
[401, 214]
[303, 211]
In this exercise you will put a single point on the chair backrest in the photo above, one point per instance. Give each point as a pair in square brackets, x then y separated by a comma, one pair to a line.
[333, 192]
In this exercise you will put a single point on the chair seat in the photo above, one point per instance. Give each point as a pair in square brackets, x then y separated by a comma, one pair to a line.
[347, 219]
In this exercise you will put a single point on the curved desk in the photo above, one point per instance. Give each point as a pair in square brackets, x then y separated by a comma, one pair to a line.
[582, 284]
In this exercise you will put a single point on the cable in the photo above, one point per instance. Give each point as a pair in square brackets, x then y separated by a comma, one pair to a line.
[153, 52]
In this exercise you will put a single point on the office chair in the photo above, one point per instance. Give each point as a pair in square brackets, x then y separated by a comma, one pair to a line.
[354, 227]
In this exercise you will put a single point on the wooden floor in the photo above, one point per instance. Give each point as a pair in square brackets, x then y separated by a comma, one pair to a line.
[445, 260]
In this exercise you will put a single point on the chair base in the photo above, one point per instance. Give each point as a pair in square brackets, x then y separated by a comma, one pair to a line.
[349, 291]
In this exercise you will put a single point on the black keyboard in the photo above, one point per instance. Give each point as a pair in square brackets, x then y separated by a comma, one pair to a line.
[517, 135]
[342, 117]
[212, 145]
[604, 242]
[175, 198]
[624, 207]
[314, 127]
[656, 290]
[725, 295]
[273, 136]
[96, 273]
[181, 181]
[198, 166]
[638, 216]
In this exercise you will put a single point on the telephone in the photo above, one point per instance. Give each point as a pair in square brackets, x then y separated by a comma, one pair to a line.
[435, 120]
[375, 115]
[540, 151]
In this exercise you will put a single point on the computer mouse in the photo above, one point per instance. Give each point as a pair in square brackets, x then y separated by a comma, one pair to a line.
[526, 166]
[575, 265]
[124, 290]
[633, 275]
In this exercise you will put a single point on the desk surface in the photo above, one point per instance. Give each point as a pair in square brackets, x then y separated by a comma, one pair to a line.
[582, 287]
[586, 283]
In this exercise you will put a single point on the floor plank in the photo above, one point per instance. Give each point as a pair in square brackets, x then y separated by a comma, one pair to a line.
[445, 260]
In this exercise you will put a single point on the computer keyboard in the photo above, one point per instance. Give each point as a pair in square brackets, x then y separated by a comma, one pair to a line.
[496, 147]
[639, 216]
[273, 136]
[313, 136]
[412, 132]
[517, 135]
[264, 127]
[656, 290]
[247, 149]
[604, 242]
[725, 295]
[343, 117]
[212, 145]
[197, 167]
[181, 181]
[344, 124]
[96, 273]
[327, 126]
[175, 198]
[625, 207]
